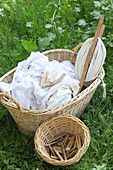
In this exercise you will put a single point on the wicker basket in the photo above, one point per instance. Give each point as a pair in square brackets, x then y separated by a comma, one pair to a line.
[57, 126]
[28, 120]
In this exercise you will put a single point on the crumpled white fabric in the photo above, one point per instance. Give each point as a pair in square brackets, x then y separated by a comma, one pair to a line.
[64, 94]
[25, 86]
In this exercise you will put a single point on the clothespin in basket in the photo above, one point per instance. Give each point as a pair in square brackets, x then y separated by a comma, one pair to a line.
[70, 144]
[45, 84]
[53, 77]
[41, 77]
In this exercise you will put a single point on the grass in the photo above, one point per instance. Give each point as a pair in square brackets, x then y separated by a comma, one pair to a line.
[42, 25]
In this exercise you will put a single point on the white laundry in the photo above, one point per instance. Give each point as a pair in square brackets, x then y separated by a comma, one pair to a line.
[63, 95]
[25, 86]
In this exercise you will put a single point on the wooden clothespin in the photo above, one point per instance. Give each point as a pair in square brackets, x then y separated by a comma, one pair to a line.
[70, 144]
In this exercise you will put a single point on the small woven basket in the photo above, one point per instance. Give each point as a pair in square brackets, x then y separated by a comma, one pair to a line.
[55, 127]
[29, 120]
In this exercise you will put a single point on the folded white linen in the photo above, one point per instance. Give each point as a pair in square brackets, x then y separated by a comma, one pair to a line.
[25, 86]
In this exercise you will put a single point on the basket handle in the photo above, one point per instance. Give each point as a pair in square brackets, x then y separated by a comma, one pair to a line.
[76, 49]
[13, 99]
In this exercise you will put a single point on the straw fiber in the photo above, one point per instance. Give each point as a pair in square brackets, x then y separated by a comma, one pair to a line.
[29, 120]
[55, 127]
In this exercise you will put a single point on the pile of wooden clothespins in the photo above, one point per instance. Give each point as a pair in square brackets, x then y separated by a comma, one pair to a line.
[64, 146]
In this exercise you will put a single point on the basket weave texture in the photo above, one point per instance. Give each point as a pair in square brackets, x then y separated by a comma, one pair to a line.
[55, 127]
[29, 120]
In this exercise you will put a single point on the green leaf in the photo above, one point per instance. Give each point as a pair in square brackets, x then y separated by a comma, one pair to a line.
[51, 36]
[26, 164]
[105, 8]
[77, 9]
[29, 24]
[29, 45]
[48, 26]
[82, 22]
[6, 161]
[1, 12]
[100, 167]
[96, 14]
[60, 30]
[97, 3]
[43, 42]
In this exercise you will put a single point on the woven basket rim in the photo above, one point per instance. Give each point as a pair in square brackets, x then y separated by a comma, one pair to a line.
[83, 149]
[56, 109]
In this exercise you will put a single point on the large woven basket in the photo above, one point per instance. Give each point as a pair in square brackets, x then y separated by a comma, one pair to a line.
[55, 127]
[29, 120]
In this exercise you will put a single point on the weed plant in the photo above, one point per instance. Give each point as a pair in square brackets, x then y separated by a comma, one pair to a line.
[40, 25]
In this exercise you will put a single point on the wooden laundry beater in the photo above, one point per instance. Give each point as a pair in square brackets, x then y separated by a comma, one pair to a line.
[98, 33]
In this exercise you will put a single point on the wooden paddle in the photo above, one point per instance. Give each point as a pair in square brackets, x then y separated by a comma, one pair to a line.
[98, 33]
[101, 31]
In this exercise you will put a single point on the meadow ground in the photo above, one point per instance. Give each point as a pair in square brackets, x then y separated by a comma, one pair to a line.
[42, 25]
